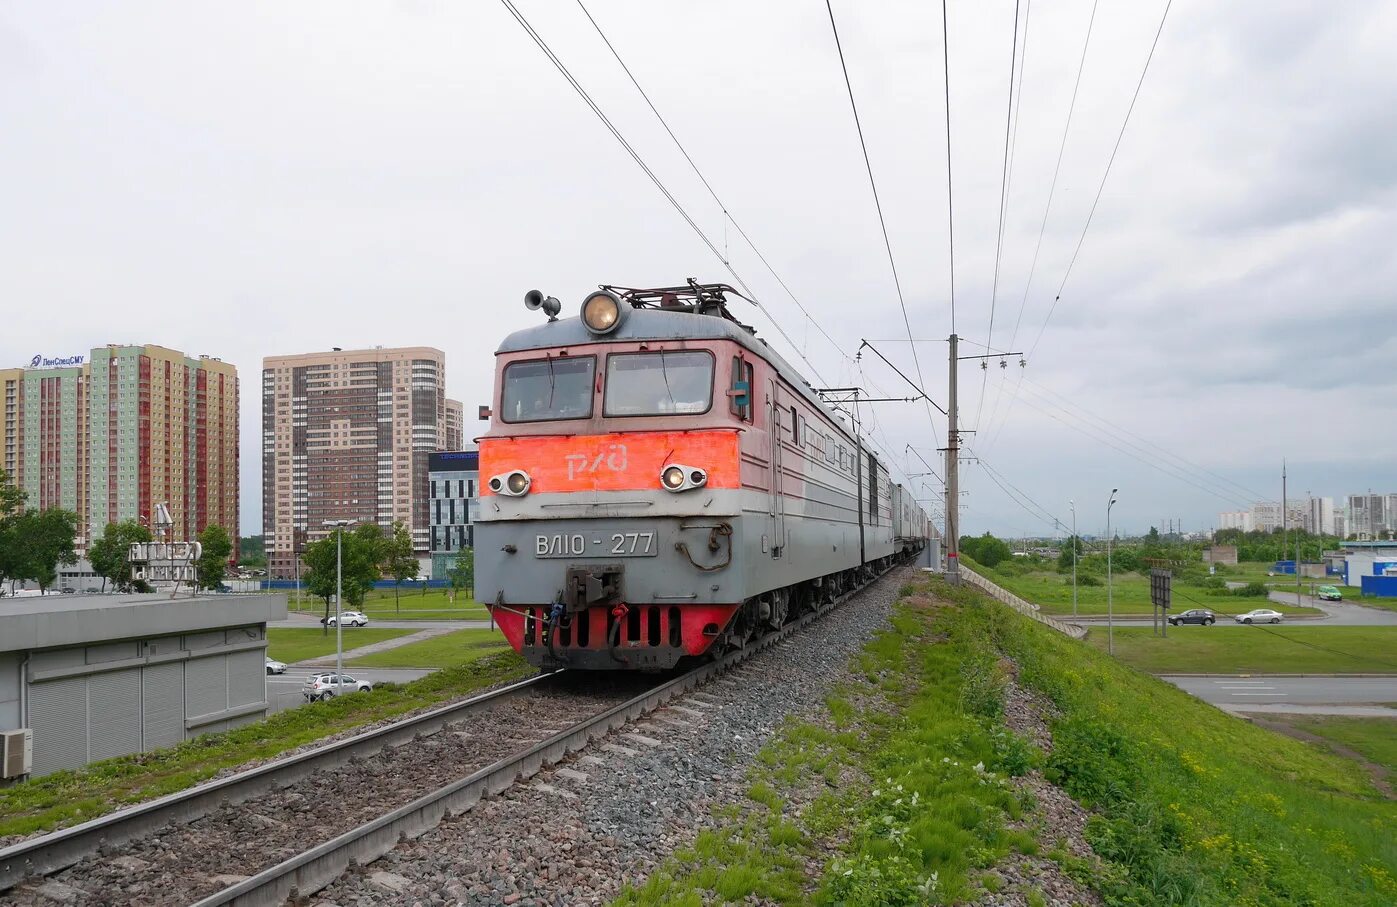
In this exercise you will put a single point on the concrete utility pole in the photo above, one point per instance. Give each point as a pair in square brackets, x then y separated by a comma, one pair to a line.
[1073, 506]
[1110, 600]
[952, 475]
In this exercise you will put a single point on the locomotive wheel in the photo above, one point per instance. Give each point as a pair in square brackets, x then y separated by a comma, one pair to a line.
[780, 608]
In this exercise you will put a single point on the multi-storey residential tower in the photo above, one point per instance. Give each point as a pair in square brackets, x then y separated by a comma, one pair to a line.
[455, 426]
[129, 428]
[345, 436]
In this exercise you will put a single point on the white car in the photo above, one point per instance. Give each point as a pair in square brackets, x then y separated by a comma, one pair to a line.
[1260, 616]
[323, 686]
[275, 667]
[350, 618]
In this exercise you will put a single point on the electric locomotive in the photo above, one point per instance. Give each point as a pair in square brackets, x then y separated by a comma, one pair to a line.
[658, 484]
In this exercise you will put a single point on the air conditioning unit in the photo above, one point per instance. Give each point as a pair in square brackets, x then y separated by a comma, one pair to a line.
[17, 757]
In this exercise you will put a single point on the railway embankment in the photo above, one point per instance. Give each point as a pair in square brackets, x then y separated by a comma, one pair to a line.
[974, 756]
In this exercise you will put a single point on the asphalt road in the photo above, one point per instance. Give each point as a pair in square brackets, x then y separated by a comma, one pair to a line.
[1269, 693]
[284, 690]
[1336, 614]
[306, 619]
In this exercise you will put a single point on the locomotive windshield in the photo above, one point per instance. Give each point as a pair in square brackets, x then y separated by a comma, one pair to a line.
[543, 389]
[658, 384]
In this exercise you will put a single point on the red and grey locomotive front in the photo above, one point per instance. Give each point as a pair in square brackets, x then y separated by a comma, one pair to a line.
[634, 504]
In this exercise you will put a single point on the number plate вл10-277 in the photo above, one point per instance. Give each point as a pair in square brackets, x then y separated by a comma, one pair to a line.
[596, 544]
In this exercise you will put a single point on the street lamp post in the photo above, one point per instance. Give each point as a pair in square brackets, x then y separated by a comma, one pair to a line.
[339, 592]
[1110, 603]
[1073, 506]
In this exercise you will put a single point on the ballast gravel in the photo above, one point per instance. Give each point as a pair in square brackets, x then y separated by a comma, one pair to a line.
[183, 862]
[577, 832]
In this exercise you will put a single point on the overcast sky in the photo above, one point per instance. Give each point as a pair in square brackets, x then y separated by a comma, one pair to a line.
[246, 179]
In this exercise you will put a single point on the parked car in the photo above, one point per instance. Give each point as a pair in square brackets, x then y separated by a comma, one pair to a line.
[1196, 616]
[275, 667]
[67, 590]
[1330, 594]
[350, 618]
[1260, 616]
[323, 686]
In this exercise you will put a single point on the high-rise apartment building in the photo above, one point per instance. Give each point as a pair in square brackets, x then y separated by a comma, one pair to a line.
[1319, 516]
[346, 436]
[1369, 515]
[111, 435]
[455, 425]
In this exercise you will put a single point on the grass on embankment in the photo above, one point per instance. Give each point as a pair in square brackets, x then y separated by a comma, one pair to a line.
[1255, 650]
[1193, 806]
[446, 651]
[69, 797]
[1130, 593]
[293, 644]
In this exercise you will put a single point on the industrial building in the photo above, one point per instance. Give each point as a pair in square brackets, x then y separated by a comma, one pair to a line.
[453, 487]
[345, 436]
[109, 435]
[96, 676]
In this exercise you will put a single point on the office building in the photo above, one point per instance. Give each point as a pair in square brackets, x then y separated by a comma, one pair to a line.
[110, 435]
[453, 485]
[345, 436]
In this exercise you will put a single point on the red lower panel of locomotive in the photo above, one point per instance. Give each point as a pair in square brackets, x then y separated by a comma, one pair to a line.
[621, 637]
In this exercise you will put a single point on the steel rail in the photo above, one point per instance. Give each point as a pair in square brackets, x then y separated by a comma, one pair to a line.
[50, 853]
[317, 867]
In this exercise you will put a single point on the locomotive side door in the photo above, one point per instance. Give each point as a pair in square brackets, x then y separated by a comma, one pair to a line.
[777, 505]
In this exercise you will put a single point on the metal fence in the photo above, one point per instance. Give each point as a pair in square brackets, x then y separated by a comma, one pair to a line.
[1027, 609]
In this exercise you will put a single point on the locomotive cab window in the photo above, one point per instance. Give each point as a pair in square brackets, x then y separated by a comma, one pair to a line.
[539, 390]
[659, 384]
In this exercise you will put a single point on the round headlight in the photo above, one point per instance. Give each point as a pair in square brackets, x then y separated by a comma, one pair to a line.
[673, 477]
[496, 484]
[518, 482]
[698, 477]
[601, 312]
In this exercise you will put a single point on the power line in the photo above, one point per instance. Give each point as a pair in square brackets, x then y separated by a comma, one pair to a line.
[582, 92]
[1003, 204]
[1126, 122]
[706, 184]
[950, 206]
[878, 204]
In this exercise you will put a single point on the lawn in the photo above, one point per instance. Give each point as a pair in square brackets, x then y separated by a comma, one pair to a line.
[901, 793]
[451, 650]
[300, 643]
[1052, 592]
[1374, 738]
[68, 797]
[1256, 650]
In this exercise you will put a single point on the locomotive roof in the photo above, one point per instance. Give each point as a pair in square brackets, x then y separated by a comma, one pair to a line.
[664, 324]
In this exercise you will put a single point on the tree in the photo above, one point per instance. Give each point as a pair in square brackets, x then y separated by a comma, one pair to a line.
[986, 550]
[110, 555]
[360, 557]
[252, 551]
[1152, 537]
[47, 542]
[11, 507]
[462, 573]
[399, 560]
[1064, 557]
[216, 545]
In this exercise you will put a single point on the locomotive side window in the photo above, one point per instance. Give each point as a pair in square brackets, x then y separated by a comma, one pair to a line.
[659, 384]
[540, 390]
[741, 392]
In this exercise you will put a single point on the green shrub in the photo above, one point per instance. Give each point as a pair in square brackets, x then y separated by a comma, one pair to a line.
[1014, 754]
[1252, 590]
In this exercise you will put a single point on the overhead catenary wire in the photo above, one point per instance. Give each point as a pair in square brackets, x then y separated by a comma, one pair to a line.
[878, 204]
[1003, 206]
[659, 184]
[1081, 239]
[727, 213]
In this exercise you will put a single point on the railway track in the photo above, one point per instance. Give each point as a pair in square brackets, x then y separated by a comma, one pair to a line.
[243, 840]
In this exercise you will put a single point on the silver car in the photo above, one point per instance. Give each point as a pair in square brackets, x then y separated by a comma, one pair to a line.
[320, 687]
[1260, 616]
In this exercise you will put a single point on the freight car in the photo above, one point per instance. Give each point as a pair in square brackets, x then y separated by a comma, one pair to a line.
[658, 484]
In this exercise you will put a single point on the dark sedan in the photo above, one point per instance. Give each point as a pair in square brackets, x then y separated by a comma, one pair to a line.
[1196, 616]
